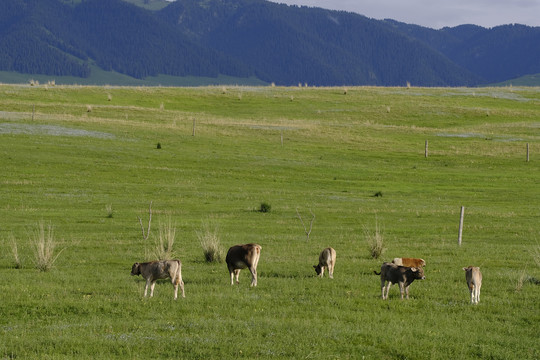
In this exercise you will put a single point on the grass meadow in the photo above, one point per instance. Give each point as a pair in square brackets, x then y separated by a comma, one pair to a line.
[82, 164]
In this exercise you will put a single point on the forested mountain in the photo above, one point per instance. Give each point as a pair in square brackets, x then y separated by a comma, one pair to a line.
[49, 37]
[290, 44]
[497, 54]
[277, 43]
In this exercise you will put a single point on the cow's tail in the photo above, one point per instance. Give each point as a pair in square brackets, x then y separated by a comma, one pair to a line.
[376, 273]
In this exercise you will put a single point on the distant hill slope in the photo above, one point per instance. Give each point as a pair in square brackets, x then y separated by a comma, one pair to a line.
[290, 45]
[496, 54]
[276, 43]
[110, 33]
[527, 80]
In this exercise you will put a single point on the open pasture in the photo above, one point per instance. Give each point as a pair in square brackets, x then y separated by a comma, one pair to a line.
[86, 161]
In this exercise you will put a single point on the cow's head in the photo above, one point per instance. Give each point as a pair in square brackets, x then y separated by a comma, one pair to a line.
[136, 269]
[318, 269]
[418, 273]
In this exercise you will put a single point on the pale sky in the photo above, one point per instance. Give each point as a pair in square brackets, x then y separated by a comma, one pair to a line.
[438, 13]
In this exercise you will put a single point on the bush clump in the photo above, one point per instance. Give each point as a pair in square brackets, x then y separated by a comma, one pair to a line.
[265, 207]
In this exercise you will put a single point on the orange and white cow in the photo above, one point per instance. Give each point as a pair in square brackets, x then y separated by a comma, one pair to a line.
[409, 262]
[473, 275]
[327, 259]
[243, 256]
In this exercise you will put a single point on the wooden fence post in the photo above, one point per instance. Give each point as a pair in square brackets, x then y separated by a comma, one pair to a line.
[426, 150]
[193, 131]
[527, 152]
[461, 224]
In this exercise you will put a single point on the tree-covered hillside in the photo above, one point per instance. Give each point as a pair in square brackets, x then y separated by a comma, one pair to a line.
[49, 37]
[273, 42]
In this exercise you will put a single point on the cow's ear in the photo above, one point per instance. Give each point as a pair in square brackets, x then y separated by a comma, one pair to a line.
[314, 266]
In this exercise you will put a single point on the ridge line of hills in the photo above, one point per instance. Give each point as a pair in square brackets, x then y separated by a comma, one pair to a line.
[255, 40]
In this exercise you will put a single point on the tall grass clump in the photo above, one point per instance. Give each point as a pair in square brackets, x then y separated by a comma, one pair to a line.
[375, 241]
[15, 252]
[163, 245]
[44, 247]
[109, 210]
[209, 239]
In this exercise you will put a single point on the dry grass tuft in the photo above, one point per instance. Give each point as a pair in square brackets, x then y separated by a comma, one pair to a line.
[209, 239]
[375, 241]
[44, 246]
[163, 245]
[15, 252]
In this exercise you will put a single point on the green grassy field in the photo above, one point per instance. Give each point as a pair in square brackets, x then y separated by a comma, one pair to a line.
[85, 160]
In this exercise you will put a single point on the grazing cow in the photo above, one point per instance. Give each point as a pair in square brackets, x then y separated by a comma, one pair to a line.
[402, 275]
[154, 270]
[410, 262]
[243, 256]
[327, 259]
[474, 282]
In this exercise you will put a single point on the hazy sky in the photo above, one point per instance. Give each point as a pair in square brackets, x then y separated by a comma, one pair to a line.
[438, 13]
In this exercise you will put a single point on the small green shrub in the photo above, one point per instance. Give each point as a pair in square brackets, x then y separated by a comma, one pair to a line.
[265, 207]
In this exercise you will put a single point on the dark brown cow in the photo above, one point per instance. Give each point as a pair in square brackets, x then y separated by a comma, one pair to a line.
[243, 256]
[327, 259]
[402, 275]
[154, 270]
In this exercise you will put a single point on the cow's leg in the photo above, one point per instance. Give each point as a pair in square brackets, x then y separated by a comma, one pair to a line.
[476, 294]
[236, 274]
[146, 287]
[182, 288]
[331, 270]
[382, 287]
[401, 289]
[175, 291]
[181, 283]
[387, 290]
[471, 292]
[152, 288]
[253, 276]
[407, 291]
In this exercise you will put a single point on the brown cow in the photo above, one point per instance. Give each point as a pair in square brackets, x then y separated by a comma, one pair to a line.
[409, 262]
[402, 275]
[327, 259]
[243, 256]
[163, 269]
[473, 275]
